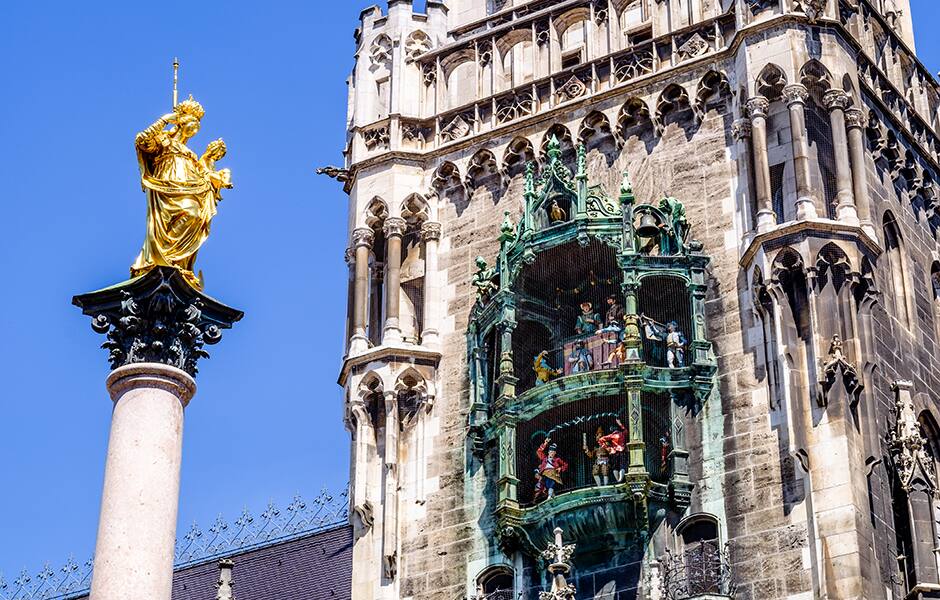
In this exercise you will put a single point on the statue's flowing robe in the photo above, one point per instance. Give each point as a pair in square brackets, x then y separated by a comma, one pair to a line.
[181, 202]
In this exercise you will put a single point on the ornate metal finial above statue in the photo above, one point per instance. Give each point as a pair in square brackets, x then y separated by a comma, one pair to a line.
[907, 443]
[161, 315]
[183, 190]
[558, 555]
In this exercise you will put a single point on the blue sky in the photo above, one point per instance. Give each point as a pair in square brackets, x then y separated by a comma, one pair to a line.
[80, 80]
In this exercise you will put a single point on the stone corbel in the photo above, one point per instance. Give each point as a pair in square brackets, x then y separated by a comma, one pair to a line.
[832, 367]
[365, 512]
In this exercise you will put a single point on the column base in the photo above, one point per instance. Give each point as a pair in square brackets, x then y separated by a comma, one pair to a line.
[869, 228]
[358, 344]
[431, 338]
[766, 220]
[846, 213]
[806, 209]
[391, 336]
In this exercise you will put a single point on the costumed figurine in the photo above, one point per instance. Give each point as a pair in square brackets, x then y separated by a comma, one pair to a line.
[675, 211]
[581, 359]
[539, 493]
[601, 457]
[588, 321]
[556, 213]
[664, 450]
[618, 356]
[483, 281]
[544, 372]
[615, 313]
[670, 334]
[551, 466]
[616, 445]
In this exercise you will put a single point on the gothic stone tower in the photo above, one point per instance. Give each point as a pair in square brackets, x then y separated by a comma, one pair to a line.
[661, 274]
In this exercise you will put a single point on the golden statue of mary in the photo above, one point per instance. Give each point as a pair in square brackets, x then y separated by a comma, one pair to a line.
[182, 190]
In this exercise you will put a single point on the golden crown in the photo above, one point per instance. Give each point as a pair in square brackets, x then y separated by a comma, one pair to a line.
[190, 107]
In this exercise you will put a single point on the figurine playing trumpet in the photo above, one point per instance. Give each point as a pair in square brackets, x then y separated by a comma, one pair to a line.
[183, 191]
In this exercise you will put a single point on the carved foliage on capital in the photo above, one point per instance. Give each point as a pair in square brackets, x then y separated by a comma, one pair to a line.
[795, 94]
[907, 443]
[741, 129]
[836, 100]
[157, 318]
[757, 107]
[394, 226]
[856, 119]
[363, 236]
[431, 231]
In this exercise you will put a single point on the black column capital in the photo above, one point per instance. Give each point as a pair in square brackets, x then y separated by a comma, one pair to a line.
[157, 317]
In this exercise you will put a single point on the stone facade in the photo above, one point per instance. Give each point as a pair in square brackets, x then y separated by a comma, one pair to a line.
[801, 137]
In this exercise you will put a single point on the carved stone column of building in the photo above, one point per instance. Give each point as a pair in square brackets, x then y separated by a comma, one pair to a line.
[796, 96]
[741, 130]
[362, 242]
[856, 121]
[394, 230]
[390, 514]
[157, 326]
[757, 111]
[837, 102]
[431, 234]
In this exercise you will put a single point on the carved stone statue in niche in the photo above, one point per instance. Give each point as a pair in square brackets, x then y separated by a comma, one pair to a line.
[589, 322]
[669, 334]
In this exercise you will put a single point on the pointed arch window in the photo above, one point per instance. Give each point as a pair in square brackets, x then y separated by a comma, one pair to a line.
[899, 298]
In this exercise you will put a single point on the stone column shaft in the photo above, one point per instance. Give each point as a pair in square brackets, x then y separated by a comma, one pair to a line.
[856, 122]
[362, 238]
[390, 514]
[431, 233]
[394, 229]
[134, 551]
[836, 102]
[741, 130]
[757, 110]
[796, 96]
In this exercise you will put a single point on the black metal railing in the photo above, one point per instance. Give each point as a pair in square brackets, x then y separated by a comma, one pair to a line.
[702, 570]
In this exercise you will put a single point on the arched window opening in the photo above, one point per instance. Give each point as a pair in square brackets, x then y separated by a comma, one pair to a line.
[822, 155]
[376, 214]
[461, 75]
[666, 317]
[573, 36]
[571, 298]
[635, 20]
[496, 583]
[897, 275]
[935, 295]
[699, 559]
[518, 63]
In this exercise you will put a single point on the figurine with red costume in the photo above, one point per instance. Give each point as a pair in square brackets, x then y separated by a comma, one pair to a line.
[616, 444]
[551, 466]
